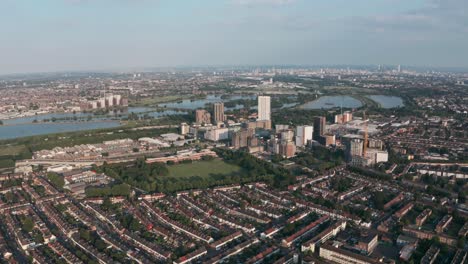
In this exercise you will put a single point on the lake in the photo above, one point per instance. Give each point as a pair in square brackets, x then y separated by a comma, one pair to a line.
[386, 101]
[24, 126]
[327, 102]
[26, 130]
[192, 104]
[62, 117]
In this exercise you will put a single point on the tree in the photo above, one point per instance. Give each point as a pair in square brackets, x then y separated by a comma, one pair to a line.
[38, 238]
[461, 242]
[27, 225]
[379, 200]
[85, 234]
[461, 197]
[56, 180]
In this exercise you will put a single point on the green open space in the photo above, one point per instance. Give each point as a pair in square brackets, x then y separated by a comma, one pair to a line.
[410, 217]
[12, 150]
[202, 169]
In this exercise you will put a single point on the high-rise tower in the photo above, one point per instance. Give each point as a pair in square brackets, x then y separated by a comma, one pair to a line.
[319, 127]
[264, 108]
[218, 112]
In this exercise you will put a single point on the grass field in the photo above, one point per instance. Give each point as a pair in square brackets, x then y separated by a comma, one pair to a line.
[12, 150]
[202, 169]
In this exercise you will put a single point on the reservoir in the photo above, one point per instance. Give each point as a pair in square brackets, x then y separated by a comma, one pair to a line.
[26, 130]
[192, 104]
[26, 126]
[386, 101]
[328, 102]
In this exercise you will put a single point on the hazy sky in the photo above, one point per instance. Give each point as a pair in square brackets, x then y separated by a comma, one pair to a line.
[60, 35]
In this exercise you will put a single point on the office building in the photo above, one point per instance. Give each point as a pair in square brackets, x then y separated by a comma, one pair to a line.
[264, 108]
[184, 128]
[244, 138]
[343, 118]
[217, 134]
[335, 254]
[202, 117]
[218, 112]
[108, 101]
[319, 127]
[367, 242]
[376, 143]
[279, 127]
[354, 147]
[376, 155]
[287, 135]
[304, 134]
[287, 149]
[327, 140]
[262, 124]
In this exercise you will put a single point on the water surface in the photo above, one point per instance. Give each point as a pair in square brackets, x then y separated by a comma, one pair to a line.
[386, 101]
[327, 102]
[26, 130]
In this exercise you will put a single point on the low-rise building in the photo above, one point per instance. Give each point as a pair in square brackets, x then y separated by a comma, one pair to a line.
[422, 217]
[442, 225]
[367, 242]
[335, 254]
[431, 255]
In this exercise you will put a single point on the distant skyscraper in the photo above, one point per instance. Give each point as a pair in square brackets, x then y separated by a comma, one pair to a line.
[319, 127]
[218, 112]
[264, 108]
[399, 68]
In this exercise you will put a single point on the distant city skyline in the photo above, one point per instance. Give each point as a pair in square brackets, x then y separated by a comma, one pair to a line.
[105, 35]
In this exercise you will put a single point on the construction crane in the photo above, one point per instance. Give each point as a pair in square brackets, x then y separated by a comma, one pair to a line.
[364, 148]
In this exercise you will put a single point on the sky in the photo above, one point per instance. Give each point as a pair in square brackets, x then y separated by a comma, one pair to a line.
[79, 35]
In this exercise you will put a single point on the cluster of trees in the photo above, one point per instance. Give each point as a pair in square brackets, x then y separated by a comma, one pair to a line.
[94, 239]
[247, 103]
[7, 161]
[379, 200]
[295, 116]
[370, 173]
[27, 224]
[153, 177]
[137, 173]
[115, 190]
[11, 182]
[256, 169]
[56, 180]
[174, 184]
[129, 222]
[320, 158]
[340, 184]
